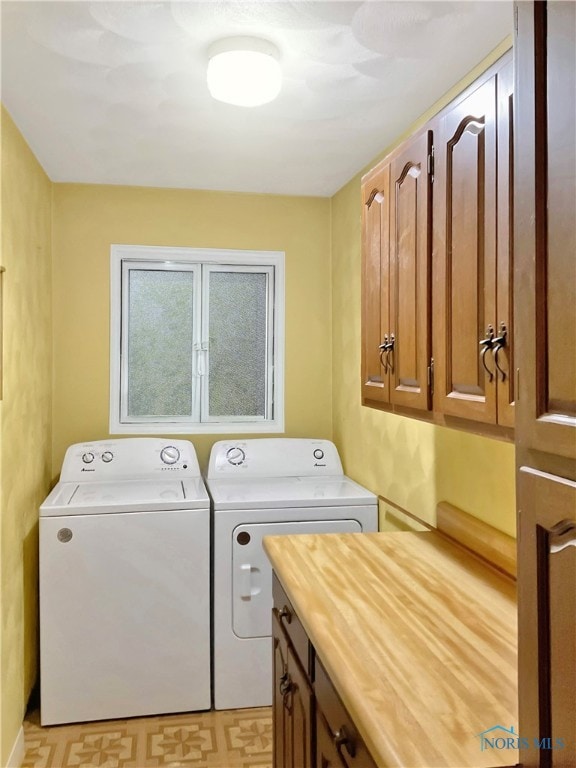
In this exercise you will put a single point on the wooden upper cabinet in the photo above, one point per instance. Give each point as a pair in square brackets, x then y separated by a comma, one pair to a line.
[471, 253]
[438, 260]
[375, 303]
[408, 360]
[546, 227]
[396, 277]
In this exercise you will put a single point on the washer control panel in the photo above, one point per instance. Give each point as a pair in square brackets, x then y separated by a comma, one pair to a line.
[170, 455]
[129, 458]
[274, 457]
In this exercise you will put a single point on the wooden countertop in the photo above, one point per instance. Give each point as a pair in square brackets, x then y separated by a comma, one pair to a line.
[418, 637]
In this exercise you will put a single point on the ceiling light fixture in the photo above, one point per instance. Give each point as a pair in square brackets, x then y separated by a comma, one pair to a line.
[244, 71]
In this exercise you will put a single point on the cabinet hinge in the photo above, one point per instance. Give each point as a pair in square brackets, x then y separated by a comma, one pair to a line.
[431, 375]
[431, 164]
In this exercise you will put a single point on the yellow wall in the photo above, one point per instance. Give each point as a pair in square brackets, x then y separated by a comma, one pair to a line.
[411, 463]
[25, 431]
[87, 219]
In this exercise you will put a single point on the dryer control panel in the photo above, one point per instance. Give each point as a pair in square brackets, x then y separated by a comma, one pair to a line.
[129, 458]
[274, 457]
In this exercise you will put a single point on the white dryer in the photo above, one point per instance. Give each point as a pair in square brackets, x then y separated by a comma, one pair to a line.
[125, 583]
[263, 487]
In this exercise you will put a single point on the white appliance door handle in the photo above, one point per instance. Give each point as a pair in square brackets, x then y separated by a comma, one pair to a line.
[245, 579]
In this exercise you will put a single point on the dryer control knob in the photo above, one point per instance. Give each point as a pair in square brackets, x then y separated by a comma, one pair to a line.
[88, 458]
[235, 456]
[107, 457]
[170, 454]
[318, 453]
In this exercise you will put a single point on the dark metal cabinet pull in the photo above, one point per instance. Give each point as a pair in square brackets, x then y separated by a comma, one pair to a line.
[498, 343]
[285, 684]
[386, 347]
[383, 348]
[342, 739]
[390, 348]
[486, 344]
[285, 614]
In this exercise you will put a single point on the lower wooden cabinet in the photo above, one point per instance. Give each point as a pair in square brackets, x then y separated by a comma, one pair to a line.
[312, 728]
[327, 754]
[292, 705]
[341, 730]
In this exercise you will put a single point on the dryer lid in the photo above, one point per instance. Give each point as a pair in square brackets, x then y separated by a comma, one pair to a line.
[125, 496]
[285, 492]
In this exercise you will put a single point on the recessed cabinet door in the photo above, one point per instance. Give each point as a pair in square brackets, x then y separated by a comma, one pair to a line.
[409, 328]
[502, 353]
[546, 227]
[375, 297]
[299, 706]
[280, 679]
[547, 617]
[465, 257]
[327, 755]
[292, 704]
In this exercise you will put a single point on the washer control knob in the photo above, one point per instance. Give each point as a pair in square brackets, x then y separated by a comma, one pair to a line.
[107, 457]
[235, 456]
[318, 453]
[170, 454]
[88, 458]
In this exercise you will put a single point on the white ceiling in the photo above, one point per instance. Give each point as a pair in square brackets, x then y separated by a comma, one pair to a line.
[115, 92]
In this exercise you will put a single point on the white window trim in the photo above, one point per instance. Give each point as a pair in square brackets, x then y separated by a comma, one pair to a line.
[173, 257]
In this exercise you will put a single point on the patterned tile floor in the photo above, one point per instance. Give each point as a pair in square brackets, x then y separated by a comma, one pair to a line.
[240, 738]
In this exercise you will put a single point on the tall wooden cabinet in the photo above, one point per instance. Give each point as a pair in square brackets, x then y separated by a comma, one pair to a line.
[545, 299]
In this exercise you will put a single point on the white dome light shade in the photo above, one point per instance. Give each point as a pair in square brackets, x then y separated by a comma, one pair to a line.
[244, 71]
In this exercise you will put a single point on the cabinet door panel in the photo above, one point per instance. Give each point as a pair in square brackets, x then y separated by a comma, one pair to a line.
[410, 219]
[299, 704]
[465, 256]
[561, 246]
[352, 749]
[327, 755]
[545, 233]
[280, 674]
[547, 616]
[503, 358]
[292, 704]
[375, 289]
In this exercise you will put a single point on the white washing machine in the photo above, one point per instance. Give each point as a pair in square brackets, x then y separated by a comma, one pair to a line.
[266, 487]
[125, 583]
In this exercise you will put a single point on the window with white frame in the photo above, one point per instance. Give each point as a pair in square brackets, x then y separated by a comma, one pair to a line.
[197, 340]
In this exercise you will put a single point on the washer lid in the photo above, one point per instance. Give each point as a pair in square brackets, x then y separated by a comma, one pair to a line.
[125, 496]
[284, 492]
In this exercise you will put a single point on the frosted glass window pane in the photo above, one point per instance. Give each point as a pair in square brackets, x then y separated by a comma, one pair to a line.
[160, 342]
[238, 344]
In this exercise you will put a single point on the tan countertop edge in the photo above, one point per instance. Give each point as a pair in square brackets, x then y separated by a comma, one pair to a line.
[418, 637]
